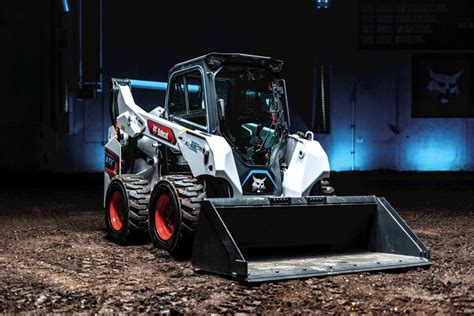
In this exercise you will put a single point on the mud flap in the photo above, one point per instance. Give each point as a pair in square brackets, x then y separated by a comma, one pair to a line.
[271, 238]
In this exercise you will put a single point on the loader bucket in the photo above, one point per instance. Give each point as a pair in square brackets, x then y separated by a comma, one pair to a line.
[271, 238]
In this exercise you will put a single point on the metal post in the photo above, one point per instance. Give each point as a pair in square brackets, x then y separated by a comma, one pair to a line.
[101, 46]
[101, 70]
[80, 43]
[353, 125]
[323, 99]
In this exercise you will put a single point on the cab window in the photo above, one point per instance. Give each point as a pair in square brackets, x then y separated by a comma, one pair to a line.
[196, 108]
[195, 93]
[177, 97]
[186, 100]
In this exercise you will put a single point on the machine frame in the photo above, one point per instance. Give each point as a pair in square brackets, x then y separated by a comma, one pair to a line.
[251, 222]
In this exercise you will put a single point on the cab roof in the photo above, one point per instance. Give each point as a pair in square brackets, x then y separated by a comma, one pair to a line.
[216, 60]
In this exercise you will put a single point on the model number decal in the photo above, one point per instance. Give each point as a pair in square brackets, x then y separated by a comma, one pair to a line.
[109, 161]
[194, 146]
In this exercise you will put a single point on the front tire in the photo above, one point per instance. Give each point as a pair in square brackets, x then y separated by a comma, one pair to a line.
[174, 213]
[126, 209]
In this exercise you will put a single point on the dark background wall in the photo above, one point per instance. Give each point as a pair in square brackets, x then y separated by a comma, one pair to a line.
[50, 123]
[382, 81]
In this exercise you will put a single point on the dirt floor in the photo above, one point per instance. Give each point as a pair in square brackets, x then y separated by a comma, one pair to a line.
[54, 257]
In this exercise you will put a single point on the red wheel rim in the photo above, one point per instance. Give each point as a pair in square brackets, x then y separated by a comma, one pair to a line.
[164, 217]
[116, 210]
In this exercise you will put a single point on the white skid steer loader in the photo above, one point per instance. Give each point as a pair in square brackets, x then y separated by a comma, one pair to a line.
[215, 175]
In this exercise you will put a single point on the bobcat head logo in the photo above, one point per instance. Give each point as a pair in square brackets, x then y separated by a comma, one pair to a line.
[444, 86]
[258, 184]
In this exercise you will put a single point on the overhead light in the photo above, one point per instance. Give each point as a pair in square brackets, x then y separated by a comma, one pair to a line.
[322, 4]
[66, 6]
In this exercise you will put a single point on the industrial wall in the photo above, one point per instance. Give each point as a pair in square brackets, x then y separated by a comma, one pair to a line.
[21, 82]
[380, 82]
[52, 123]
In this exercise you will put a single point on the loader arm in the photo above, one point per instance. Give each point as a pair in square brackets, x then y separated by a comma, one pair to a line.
[205, 154]
[133, 120]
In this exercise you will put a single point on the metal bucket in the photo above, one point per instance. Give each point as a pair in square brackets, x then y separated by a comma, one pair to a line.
[271, 238]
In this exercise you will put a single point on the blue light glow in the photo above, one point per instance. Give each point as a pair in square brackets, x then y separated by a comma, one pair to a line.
[433, 155]
[66, 6]
[424, 149]
[433, 158]
[340, 156]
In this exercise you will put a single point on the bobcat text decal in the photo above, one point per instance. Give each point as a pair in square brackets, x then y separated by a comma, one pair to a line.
[162, 132]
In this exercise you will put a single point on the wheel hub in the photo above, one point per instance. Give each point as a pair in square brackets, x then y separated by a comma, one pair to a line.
[116, 210]
[164, 217]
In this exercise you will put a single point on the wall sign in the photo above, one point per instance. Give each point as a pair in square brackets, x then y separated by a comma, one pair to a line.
[416, 24]
[443, 86]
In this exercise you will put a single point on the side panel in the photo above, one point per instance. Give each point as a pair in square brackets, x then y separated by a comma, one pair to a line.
[210, 155]
[112, 163]
[225, 163]
[308, 163]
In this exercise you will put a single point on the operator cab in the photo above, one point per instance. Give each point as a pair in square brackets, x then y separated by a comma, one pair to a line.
[238, 97]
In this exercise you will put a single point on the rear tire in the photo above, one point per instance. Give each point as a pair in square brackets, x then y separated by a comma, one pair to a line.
[174, 214]
[126, 209]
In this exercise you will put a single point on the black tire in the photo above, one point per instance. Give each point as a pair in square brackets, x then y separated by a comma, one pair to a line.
[174, 214]
[216, 187]
[128, 196]
[322, 188]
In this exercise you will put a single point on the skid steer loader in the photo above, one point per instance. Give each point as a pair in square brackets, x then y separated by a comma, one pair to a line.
[215, 175]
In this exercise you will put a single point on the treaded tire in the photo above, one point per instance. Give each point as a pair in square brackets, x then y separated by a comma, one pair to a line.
[184, 194]
[129, 194]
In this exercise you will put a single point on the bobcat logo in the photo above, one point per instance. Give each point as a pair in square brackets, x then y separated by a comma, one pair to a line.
[258, 184]
[444, 86]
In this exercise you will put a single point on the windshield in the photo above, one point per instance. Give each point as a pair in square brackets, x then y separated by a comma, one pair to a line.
[249, 111]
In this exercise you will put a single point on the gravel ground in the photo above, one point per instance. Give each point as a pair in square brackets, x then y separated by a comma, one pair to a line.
[54, 257]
